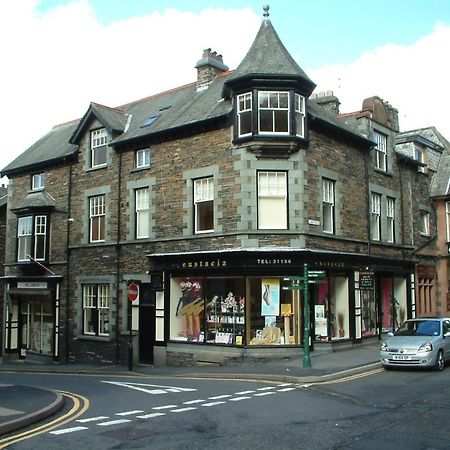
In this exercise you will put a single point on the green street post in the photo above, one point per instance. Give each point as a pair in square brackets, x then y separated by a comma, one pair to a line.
[306, 357]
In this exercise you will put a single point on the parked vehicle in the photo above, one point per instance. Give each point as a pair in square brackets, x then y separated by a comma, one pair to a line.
[420, 342]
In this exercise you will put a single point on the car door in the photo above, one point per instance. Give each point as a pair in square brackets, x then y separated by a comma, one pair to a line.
[446, 341]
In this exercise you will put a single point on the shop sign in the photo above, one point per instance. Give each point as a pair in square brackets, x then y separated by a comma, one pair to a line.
[32, 285]
[273, 261]
[204, 264]
[366, 280]
[426, 271]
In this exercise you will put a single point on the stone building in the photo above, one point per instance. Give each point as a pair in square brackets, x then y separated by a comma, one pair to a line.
[191, 225]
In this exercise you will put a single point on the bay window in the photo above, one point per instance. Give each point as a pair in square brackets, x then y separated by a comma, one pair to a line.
[32, 238]
[244, 111]
[273, 112]
[272, 200]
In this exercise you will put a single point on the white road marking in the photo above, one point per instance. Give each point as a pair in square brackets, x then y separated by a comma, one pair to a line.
[217, 397]
[261, 394]
[113, 422]
[164, 407]
[284, 384]
[237, 399]
[183, 409]
[193, 402]
[130, 413]
[153, 389]
[151, 415]
[245, 392]
[92, 419]
[213, 403]
[267, 388]
[286, 389]
[68, 430]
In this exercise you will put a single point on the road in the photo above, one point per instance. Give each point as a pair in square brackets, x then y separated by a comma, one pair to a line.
[389, 410]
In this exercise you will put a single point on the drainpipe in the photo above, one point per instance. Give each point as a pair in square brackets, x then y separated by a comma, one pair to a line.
[118, 258]
[366, 176]
[69, 197]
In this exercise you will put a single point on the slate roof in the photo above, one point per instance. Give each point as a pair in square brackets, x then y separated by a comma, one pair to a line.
[268, 57]
[38, 199]
[52, 147]
[440, 185]
[3, 196]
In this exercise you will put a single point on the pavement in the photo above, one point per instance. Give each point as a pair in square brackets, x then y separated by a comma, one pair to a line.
[22, 405]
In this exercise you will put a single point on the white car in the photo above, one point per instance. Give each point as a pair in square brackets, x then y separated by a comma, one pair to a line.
[421, 342]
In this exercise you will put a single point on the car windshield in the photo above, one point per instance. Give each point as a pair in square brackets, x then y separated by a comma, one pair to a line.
[419, 328]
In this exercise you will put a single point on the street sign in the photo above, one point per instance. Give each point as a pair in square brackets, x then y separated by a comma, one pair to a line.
[293, 287]
[316, 281]
[133, 292]
[316, 273]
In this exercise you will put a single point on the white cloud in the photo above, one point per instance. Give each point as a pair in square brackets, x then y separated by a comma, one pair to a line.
[414, 79]
[55, 63]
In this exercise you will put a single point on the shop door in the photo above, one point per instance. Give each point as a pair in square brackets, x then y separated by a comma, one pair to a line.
[146, 324]
[36, 322]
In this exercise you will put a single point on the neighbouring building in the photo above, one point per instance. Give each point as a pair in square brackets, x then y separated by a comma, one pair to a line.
[185, 223]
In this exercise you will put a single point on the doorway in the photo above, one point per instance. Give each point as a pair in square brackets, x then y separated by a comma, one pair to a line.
[147, 319]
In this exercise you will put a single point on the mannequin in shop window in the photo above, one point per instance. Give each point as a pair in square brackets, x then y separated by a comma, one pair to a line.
[190, 306]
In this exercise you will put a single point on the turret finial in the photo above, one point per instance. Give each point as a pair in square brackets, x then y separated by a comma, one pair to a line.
[266, 11]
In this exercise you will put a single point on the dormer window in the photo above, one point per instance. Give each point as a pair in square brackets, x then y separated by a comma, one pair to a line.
[266, 114]
[99, 140]
[419, 155]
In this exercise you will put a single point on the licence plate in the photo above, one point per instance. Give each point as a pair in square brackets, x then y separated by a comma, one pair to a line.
[401, 357]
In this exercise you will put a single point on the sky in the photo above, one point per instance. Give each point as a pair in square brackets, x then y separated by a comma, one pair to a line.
[59, 55]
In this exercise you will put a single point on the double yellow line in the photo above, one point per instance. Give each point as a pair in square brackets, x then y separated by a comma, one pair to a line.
[79, 407]
[345, 379]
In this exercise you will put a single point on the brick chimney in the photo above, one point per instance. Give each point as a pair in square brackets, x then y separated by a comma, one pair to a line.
[208, 68]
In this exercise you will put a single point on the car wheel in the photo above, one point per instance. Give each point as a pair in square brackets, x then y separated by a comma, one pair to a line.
[440, 361]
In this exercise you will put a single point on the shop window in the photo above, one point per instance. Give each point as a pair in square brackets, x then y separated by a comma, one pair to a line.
[32, 238]
[96, 309]
[99, 141]
[97, 218]
[328, 187]
[272, 200]
[390, 216]
[36, 318]
[375, 217]
[142, 212]
[204, 205]
[368, 313]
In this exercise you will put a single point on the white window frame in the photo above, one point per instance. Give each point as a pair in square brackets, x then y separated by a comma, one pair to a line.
[425, 223]
[96, 298]
[97, 215]
[273, 106]
[99, 141]
[375, 208]
[328, 205]
[143, 158]
[390, 218]
[37, 181]
[244, 108]
[447, 217]
[300, 114]
[142, 212]
[24, 237]
[272, 200]
[380, 150]
[203, 195]
[40, 234]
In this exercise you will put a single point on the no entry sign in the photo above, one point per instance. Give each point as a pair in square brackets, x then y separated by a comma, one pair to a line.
[133, 292]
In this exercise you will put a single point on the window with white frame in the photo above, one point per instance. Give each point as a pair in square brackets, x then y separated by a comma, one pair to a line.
[32, 238]
[390, 216]
[142, 204]
[328, 194]
[272, 200]
[300, 115]
[204, 205]
[143, 158]
[37, 181]
[425, 222]
[375, 217]
[96, 309]
[99, 140]
[97, 218]
[447, 216]
[380, 150]
[244, 114]
[273, 112]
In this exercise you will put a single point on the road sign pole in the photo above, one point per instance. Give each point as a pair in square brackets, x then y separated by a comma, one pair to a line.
[306, 357]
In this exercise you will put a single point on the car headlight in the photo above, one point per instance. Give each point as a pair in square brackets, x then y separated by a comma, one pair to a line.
[428, 347]
[384, 347]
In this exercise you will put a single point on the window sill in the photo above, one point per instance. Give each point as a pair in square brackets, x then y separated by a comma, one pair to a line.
[93, 169]
[384, 172]
[139, 169]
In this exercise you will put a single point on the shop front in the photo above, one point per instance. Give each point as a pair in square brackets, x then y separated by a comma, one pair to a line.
[240, 304]
[31, 313]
